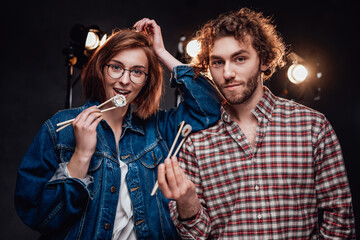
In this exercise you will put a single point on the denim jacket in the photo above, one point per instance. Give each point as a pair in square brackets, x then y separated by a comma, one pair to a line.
[68, 208]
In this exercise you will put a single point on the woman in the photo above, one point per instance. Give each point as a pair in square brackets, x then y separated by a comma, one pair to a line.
[93, 181]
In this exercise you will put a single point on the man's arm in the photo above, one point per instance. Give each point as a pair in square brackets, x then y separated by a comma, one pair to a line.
[332, 187]
[175, 185]
[187, 211]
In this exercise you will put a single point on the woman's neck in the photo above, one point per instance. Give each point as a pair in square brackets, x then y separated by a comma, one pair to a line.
[115, 120]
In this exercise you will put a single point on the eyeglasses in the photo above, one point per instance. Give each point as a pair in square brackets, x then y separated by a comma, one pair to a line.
[116, 71]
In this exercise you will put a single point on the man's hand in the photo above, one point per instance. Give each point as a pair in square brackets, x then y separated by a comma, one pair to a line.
[175, 185]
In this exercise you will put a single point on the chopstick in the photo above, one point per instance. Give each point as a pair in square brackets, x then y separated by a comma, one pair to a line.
[66, 123]
[182, 140]
[185, 133]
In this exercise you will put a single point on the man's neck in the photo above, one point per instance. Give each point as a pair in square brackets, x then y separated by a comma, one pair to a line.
[243, 112]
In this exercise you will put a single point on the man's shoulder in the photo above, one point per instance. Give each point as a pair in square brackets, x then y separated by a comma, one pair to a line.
[207, 133]
[290, 108]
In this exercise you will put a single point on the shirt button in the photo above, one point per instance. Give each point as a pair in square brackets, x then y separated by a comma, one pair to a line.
[113, 189]
[107, 226]
[259, 216]
[257, 187]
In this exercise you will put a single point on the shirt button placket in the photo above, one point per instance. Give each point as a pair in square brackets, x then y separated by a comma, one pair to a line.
[258, 215]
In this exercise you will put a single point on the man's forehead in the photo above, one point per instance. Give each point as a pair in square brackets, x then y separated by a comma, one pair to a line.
[223, 44]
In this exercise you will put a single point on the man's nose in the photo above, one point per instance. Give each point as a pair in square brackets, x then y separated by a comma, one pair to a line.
[229, 72]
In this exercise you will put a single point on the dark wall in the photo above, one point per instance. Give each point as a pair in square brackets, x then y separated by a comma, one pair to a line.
[33, 71]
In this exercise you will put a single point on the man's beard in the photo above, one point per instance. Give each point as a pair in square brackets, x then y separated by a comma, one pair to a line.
[251, 86]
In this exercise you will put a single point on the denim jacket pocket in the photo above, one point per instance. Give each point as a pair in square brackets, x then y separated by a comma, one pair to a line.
[94, 168]
[152, 157]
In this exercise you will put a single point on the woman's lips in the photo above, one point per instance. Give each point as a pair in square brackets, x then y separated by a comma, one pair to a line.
[121, 91]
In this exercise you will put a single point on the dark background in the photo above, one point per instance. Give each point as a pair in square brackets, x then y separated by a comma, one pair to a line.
[33, 71]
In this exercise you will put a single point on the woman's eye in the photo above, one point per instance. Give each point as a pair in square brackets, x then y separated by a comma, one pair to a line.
[116, 67]
[137, 72]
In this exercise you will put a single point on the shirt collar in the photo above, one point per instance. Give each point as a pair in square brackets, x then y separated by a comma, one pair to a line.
[264, 107]
[266, 104]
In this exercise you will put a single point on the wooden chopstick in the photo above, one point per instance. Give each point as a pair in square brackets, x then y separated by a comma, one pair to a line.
[69, 122]
[156, 186]
[99, 106]
[66, 123]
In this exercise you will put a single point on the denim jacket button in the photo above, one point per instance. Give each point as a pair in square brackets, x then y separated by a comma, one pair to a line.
[113, 189]
[107, 226]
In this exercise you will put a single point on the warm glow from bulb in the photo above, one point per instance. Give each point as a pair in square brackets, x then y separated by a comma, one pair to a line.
[103, 40]
[297, 73]
[193, 48]
[92, 41]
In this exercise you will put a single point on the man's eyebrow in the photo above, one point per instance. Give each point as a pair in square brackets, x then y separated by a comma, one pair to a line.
[214, 57]
[241, 51]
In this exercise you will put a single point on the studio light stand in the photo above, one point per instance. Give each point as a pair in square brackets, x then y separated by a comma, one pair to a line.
[84, 42]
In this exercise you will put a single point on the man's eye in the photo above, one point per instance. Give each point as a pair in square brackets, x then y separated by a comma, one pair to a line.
[240, 59]
[217, 63]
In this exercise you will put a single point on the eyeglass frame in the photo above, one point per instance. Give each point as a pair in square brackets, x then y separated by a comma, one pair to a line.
[129, 70]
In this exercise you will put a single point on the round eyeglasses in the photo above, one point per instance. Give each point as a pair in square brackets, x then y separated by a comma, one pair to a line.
[116, 71]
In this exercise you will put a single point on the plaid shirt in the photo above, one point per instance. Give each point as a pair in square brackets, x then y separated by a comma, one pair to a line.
[276, 190]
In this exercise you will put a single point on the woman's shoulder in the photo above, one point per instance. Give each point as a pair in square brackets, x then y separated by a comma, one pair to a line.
[66, 114]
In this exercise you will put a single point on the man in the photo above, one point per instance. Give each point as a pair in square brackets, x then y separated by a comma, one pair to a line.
[269, 168]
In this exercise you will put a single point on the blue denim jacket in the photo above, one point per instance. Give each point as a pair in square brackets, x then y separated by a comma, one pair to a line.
[68, 208]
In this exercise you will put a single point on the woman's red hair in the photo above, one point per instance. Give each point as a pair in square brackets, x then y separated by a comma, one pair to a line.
[148, 100]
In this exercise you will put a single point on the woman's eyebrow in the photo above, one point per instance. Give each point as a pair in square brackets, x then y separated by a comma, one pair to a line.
[135, 66]
[116, 61]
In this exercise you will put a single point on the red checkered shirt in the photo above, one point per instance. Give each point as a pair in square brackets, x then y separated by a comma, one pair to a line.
[277, 190]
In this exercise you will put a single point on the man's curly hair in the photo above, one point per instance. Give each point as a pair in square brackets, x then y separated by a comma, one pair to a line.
[265, 39]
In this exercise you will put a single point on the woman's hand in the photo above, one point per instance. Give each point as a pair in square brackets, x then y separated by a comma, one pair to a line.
[175, 185]
[84, 127]
[150, 28]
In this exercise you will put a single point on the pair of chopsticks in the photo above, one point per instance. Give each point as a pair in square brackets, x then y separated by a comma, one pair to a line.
[184, 131]
[115, 99]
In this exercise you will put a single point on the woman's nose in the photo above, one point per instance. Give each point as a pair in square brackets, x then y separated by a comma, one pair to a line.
[125, 79]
